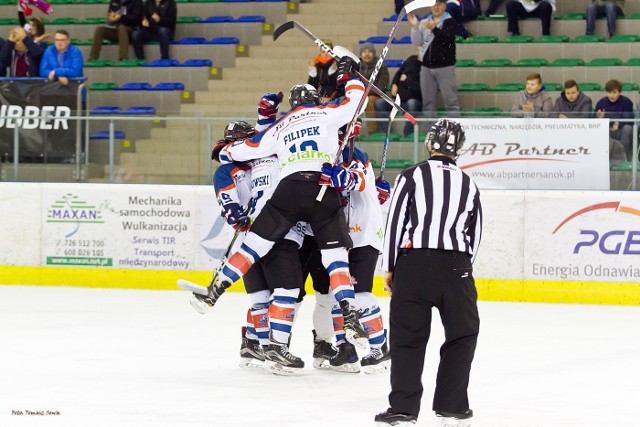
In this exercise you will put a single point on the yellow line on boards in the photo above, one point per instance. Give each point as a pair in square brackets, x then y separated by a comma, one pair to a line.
[549, 291]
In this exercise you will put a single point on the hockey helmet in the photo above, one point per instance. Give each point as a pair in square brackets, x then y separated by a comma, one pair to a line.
[446, 137]
[238, 130]
[303, 94]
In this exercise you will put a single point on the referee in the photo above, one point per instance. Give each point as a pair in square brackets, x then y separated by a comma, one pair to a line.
[432, 236]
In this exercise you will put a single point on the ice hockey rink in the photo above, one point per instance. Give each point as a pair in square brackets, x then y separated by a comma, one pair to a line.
[97, 357]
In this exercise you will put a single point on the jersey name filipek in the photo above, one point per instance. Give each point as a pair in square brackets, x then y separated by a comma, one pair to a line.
[302, 133]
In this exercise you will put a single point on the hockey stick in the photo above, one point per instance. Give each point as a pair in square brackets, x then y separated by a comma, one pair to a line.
[295, 24]
[415, 4]
[385, 148]
[194, 287]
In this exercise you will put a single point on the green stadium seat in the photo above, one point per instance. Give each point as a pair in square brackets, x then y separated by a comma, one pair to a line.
[102, 86]
[497, 62]
[624, 167]
[604, 62]
[462, 63]
[63, 21]
[483, 112]
[624, 38]
[571, 17]
[96, 20]
[129, 63]
[409, 138]
[399, 163]
[9, 21]
[567, 62]
[482, 39]
[554, 87]
[531, 62]
[630, 87]
[588, 39]
[552, 39]
[633, 62]
[381, 136]
[187, 19]
[517, 39]
[633, 16]
[590, 86]
[508, 87]
[492, 18]
[98, 63]
[473, 87]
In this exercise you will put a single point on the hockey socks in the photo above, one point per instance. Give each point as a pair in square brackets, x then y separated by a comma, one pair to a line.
[371, 318]
[260, 315]
[282, 314]
[252, 249]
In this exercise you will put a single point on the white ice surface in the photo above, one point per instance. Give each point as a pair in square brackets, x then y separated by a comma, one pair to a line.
[146, 358]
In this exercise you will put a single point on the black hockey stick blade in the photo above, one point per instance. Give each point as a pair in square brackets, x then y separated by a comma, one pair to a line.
[283, 29]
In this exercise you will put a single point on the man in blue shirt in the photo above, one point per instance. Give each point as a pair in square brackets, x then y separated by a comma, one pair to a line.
[61, 61]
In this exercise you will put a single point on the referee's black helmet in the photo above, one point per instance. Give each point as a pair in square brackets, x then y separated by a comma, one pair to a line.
[446, 137]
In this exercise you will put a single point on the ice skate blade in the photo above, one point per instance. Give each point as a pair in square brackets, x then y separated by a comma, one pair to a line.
[192, 287]
[397, 424]
[360, 342]
[250, 363]
[347, 368]
[198, 305]
[320, 363]
[380, 368]
[278, 369]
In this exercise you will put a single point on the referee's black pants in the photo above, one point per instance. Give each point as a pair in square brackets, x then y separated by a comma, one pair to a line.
[426, 278]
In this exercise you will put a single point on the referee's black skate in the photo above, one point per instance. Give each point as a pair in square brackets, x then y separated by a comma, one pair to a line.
[388, 418]
[354, 331]
[279, 360]
[449, 419]
[346, 360]
[323, 351]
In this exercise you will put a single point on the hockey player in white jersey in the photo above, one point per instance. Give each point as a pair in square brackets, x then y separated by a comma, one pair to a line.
[304, 139]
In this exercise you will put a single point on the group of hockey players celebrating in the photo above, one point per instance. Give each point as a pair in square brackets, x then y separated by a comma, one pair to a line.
[268, 188]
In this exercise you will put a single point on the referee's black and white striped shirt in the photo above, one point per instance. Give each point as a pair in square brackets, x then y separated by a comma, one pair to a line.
[434, 205]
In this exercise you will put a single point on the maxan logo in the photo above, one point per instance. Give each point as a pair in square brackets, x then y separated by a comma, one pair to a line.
[47, 117]
[69, 209]
[610, 242]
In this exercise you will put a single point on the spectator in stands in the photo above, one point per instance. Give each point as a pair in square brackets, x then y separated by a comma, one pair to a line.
[368, 60]
[398, 4]
[617, 106]
[464, 11]
[21, 54]
[61, 61]
[517, 9]
[322, 74]
[123, 16]
[493, 7]
[436, 36]
[35, 28]
[406, 83]
[158, 24]
[533, 101]
[572, 103]
[609, 8]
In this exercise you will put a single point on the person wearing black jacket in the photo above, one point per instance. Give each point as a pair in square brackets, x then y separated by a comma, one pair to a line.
[21, 54]
[322, 74]
[406, 83]
[436, 36]
[158, 24]
[123, 17]
[431, 239]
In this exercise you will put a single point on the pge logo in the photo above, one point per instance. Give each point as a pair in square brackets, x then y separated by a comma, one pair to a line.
[609, 242]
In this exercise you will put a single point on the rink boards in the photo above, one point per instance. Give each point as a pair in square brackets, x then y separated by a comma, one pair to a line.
[547, 246]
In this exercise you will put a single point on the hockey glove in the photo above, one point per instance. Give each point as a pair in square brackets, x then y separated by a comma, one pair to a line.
[384, 190]
[269, 104]
[342, 179]
[357, 130]
[346, 70]
[235, 216]
[215, 152]
[327, 170]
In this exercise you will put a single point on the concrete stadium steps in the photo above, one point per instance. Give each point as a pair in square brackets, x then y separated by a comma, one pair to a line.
[194, 78]
[222, 55]
[495, 75]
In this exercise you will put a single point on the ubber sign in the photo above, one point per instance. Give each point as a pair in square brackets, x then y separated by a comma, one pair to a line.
[566, 154]
[583, 236]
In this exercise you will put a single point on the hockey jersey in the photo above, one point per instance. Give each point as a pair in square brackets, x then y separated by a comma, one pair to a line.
[303, 139]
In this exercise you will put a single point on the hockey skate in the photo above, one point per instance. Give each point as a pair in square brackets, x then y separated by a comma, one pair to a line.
[346, 360]
[203, 298]
[354, 331]
[280, 361]
[323, 351]
[251, 354]
[388, 418]
[377, 361]
[448, 419]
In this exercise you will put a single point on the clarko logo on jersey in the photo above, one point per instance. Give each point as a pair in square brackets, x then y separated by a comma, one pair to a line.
[607, 240]
[47, 117]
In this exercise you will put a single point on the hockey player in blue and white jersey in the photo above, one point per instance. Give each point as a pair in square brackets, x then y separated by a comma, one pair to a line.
[305, 138]
[364, 196]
